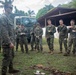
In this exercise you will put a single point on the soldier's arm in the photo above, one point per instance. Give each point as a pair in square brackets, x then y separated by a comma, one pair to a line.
[58, 29]
[66, 32]
[35, 32]
[41, 32]
[4, 31]
[16, 31]
[31, 31]
[46, 33]
[26, 31]
[64, 29]
[54, 30]
[69, 30]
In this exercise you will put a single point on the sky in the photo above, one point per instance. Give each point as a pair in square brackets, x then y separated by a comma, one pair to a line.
[35, 5]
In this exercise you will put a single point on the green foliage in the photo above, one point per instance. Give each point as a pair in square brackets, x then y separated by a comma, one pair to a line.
[44, 10]
[74, 3]
[22, 13]
[30, 12]
[71, 4]
[47, 8]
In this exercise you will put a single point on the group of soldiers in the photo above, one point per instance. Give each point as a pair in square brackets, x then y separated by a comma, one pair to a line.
[7, 33]
[63, 36]
[36, 33]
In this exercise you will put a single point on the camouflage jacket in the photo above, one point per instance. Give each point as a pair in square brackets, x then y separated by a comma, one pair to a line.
[38, 32]
[23, 32]
[50, 30]
[7, 29]
[32, 31]
[62, 30]
[72, 32]
[17, 31]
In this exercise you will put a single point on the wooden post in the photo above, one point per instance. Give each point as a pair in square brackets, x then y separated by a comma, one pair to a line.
[45, 22]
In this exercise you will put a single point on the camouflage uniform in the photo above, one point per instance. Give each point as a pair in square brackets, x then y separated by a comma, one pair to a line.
[7, 35]
[38, 38]
[23, 39]
[72, 39]
[50, 30]
[63, 35]
[17, 38]
[32, 37]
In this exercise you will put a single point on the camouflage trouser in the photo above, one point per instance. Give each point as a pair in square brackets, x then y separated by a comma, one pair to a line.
[8, 55]
[72, 41]
[39, 44]
[32, 41]
[17, 43]
[23, 42]
[61, 41]
[50, 42]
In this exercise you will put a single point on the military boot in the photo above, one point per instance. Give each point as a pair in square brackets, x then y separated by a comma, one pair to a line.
[4, 70]
[12, 70]
[32, 49]
[52, 53]
[67, 53]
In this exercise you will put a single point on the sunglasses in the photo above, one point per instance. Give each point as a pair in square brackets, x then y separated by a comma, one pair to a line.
[10, 7]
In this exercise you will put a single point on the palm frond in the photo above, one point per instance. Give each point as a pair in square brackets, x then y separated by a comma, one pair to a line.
[2, 2]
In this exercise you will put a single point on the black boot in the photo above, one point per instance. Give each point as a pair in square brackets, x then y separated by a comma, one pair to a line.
[22, 50]
[67, 54]
[41, 49]
[4, 70]
[11, 69]
[32, 48]
[3, 74]
[73, 52]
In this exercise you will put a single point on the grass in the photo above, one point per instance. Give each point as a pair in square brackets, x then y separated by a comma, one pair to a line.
[23, 62]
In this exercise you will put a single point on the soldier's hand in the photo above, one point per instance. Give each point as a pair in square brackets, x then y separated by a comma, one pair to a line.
[37, 36]
[11, 45]
[49, 30]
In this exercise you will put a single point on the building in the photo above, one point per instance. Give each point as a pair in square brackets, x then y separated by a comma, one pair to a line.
[56, 14]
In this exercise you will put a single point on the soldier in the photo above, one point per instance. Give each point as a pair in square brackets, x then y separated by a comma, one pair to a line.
[72, 38]
[32, 37]
[23, 38]
[38, 32]
[50, 30]
[63, 35]
[17, 36]
[7, 34]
